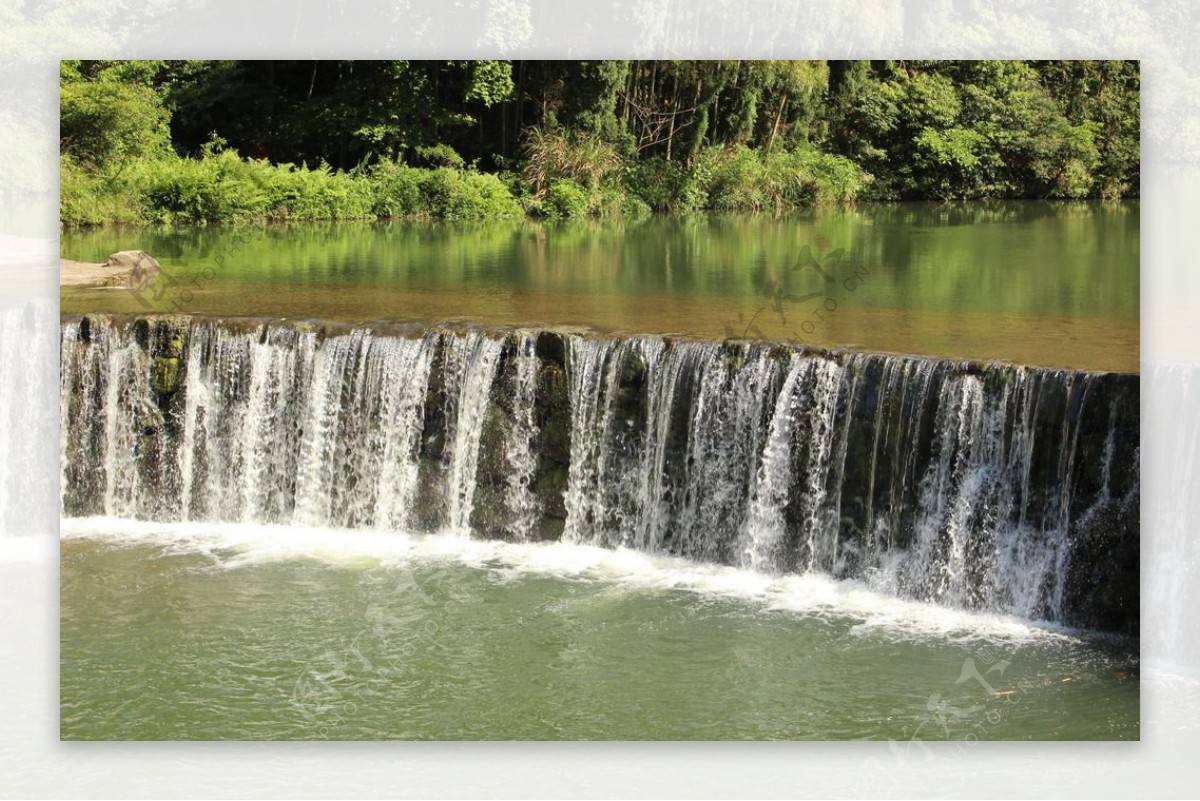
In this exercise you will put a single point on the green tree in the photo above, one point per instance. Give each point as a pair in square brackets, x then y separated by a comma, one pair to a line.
[110, 113]
[341, 112]
[1104, 98]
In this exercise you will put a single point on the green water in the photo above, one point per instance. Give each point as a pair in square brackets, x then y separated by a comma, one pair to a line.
[1032, 282]
[248, 638]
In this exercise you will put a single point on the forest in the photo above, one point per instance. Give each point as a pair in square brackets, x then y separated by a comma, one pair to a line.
[174, 141]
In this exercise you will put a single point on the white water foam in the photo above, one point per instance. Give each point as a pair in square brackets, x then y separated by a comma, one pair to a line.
[239, 545]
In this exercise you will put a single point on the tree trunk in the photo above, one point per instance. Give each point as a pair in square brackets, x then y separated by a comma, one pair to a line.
[517, 118]
[775, 127]
[674, 111]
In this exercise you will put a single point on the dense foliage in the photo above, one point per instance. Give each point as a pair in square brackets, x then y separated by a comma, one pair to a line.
[234, 140]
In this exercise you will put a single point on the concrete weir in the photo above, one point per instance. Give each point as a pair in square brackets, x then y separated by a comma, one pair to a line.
[988, 486]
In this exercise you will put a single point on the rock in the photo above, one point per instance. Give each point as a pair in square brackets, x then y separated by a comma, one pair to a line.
[551, 348]
[134, 269]
[138, 263]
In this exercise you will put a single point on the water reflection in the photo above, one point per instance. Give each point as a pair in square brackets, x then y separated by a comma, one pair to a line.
[984, 280]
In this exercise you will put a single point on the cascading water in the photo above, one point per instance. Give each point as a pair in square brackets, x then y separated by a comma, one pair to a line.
[981, 486]
[475, 361]
[27, 375]
[521, 503]
[1171, 556]
[766, 528]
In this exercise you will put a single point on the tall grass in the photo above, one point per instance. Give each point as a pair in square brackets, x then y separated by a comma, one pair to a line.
[554, 154]
[565, 175]
[222, 187]
[575, 174]
[741, 179]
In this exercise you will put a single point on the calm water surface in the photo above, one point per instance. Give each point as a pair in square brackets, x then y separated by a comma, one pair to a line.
[1031, 282]
[211, 632]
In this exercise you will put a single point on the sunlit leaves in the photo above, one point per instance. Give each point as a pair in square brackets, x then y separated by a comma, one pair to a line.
[108, 120]
[491, 82]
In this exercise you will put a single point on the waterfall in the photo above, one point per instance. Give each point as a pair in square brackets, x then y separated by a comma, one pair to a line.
[476, 358]
[1172, 398]
[984, 486]
[521, 503]
[27, 374]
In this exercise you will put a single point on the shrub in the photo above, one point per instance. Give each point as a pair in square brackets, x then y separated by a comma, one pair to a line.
[441, 156]
[456, 195]
[397, 190]
[565, 198]
[617, 202]
[221, 187]
[658, 183]
[184, 190]
[321, 194]
[817, 178]
[738, 180]
[89, 199]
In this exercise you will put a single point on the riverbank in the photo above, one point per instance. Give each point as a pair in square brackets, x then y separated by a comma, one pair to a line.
[223, 187]
[488, 139]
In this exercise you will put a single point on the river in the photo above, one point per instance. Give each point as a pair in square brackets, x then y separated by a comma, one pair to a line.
[368, 521]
